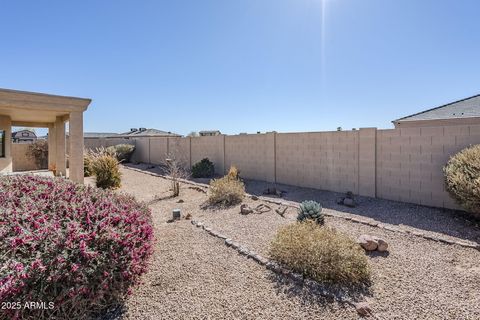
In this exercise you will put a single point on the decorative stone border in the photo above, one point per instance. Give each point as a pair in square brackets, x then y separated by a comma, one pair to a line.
[275, 267]
[369, 222]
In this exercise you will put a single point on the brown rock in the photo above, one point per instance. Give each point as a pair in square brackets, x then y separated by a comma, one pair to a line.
[363, 309]
[382, 244]
[245, 209]
[367, 242]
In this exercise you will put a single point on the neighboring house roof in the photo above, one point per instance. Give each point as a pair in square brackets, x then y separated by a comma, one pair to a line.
[99, 134]
[144, 132]
[25, 134]
[209, 132]
[465, 108]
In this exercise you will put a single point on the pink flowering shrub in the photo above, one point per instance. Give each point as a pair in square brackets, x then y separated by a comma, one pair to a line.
[80, 248]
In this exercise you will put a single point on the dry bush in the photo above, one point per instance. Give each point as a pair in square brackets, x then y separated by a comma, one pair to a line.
[462, 178]
[226, 191]
[123, 152]
[38, 151]
[234, 173]
[175, 169]
[320, 253]
[106, 168]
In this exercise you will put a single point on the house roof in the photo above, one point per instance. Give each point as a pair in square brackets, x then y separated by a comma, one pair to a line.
[144, 132]
[465, 108]
[99, 134]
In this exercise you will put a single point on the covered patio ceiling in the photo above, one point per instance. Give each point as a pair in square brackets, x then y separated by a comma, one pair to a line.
[38, 109]
[31, 109]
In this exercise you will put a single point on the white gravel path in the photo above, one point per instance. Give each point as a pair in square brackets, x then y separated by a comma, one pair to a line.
[194, 276]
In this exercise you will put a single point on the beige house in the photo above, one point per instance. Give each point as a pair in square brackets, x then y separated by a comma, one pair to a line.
[29, 109]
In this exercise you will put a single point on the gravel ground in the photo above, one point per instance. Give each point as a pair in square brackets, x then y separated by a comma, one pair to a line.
[194, 276]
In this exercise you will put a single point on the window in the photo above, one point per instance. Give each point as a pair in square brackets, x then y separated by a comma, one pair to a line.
[2, 143]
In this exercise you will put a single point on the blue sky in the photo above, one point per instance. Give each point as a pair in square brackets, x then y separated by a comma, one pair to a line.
[245, 65]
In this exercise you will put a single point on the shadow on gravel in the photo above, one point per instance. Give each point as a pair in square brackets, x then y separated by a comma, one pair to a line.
[311, 292]
[113, 313]
[449, 222]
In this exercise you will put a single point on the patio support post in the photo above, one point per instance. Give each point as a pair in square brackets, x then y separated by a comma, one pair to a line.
[52, 147]
[76, 147]
[60, 147]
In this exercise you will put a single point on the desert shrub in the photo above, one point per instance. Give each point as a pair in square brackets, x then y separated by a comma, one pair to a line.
[203, 169]
[226, 191]
[123, 152]
[311, 210]
[175, 169]
[87, 164]
[234, 173]
[106, 169]
[38, 151]
[81, 248]
[462, 177]
[320, 253]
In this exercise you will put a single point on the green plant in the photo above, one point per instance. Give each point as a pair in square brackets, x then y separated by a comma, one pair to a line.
[203, 169]
[76, 248]
[123, 152]
[38, 151]
[106, 169]
[462, 179]
[320, 253]
[226, 191]
[311, 210]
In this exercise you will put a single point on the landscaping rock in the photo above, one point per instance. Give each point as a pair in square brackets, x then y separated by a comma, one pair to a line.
[199, 224]
[363, 309]
[254, 197]
[228, 242]
[180, 201]
[349, 202]
[245, 209]
[382, 244]
[367, 242]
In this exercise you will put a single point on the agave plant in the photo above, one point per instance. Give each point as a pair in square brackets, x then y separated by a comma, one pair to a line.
[311, 210]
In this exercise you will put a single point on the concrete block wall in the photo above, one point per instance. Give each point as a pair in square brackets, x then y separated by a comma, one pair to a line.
[20, 160]
[410, 162]
[321, 160]
[253, 154]
[212, 147]
[397, 164]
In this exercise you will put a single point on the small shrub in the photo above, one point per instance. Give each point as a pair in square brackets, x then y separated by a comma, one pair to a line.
[81, 248]
[87, 164]
[38, 151]
[123, 152]
[226, 191]
[233, 173]
[203, 169]
[106, 169]
[320, 253]
[311, 210]
[175, 169]
[462, 179]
